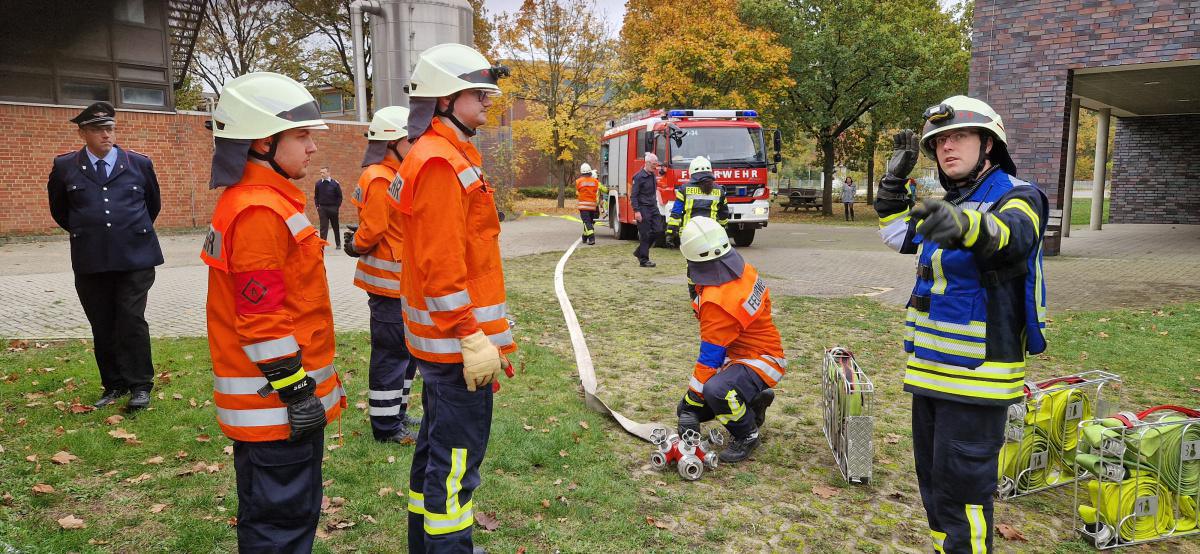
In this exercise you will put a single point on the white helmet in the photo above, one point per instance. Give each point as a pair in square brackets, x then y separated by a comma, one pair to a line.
[585, 169]
[449, 68]
[259, 105]
[699, 164]
[388, 124]
[961, 112]
[703, 239]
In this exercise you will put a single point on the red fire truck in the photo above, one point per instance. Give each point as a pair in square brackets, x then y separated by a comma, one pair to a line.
[731, 139]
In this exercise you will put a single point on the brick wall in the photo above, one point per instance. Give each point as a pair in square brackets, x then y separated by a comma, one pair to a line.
[1155, 178]
[1023, 53]
[179, 145]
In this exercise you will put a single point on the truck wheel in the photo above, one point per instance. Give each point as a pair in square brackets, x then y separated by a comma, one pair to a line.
[743, 237]
[622, 231]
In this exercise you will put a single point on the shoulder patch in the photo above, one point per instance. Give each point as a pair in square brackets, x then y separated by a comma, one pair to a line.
[755, 301]
[396, 188]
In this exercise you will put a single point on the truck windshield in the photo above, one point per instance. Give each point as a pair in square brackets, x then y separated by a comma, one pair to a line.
[725, 146]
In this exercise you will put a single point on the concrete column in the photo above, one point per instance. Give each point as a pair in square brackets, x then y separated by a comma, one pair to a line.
[1069, 189]
[1098, 169]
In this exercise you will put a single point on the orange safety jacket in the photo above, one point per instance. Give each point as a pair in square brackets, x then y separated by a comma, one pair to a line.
[378, 236]
[267, 299]
[453, 280]
[587, 191]
[736, 328]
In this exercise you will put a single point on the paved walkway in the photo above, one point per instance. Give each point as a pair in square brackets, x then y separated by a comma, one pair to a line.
[1122, 266]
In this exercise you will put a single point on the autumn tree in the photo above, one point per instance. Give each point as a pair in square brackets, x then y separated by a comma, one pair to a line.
[328, 45]
[560, 55]
[849, 56]
[673, 56]
[241, 36]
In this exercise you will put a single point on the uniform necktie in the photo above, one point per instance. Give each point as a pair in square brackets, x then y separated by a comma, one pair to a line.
[101, 169]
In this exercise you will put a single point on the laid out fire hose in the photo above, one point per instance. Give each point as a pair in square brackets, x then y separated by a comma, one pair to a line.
[1147, 468]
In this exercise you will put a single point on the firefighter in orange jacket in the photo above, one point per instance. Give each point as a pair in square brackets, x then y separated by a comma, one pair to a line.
[741, 354]
[453, 289]
[270, 325]
[587, 197]
[377, 243]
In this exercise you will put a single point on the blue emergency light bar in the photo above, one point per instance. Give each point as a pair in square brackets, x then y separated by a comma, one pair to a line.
[712, 113]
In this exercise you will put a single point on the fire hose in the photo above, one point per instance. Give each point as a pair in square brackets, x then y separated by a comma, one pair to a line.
[1016, 461]
[1052, 417]
[1159, 448]
[851, 399]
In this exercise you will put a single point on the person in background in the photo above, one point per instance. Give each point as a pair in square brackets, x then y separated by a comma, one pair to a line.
[848, 192]
[644, 200]
[328, 198]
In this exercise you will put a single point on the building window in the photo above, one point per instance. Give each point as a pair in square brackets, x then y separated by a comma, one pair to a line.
[88, 91]
[331, 102]
[144, 96]
[132, 11]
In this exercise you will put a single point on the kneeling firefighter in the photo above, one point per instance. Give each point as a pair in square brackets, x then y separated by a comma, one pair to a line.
[377, 243]
[979, 305]
[741, 354]
[587, 196]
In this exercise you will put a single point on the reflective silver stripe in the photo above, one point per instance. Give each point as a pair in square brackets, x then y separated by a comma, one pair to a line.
[973, 329]
[274, 348]
[696, 385]
[893, 233]
[379, 263]
[270, 416]
[388, 411]
[251, 385]
[383, 394]
[491, 313]
[449, 302]
[415, 315]
[390, 284]
[780, 361]
[452, 346]
[212, 242]
[436, 526]
[771, 372]
[298, 223]
[947, 346]
[469, 176]
[977, 206]
[709, 197]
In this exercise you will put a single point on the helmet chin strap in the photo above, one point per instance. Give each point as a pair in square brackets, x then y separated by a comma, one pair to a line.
[449, 114]
[269, 157]
[392, 146]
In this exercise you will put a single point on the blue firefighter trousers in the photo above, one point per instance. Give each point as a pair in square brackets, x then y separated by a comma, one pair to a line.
[279, 494]
[390, 376]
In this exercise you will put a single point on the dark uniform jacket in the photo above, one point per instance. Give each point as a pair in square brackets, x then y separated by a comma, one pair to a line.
[110, 220]
[644, 196]
[328, 193]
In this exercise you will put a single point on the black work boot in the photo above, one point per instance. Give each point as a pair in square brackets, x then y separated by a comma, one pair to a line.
[760, 405]
[109, 397]
[410, 421]
[739, 449]
[403, 436]
[139, 400]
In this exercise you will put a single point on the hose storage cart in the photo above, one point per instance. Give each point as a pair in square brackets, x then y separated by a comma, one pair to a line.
[848, 423]
[1146, 470]
[1042, 431]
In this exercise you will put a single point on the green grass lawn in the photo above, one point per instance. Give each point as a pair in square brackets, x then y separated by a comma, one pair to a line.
[1081, 211]
[557, 476]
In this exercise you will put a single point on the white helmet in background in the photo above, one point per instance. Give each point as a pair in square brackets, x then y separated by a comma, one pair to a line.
[449, 68]
[703, 240]
[699, 164]
[585, 169]
[388, 124]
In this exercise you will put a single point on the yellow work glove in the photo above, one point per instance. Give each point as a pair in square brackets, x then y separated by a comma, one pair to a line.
[481, 360]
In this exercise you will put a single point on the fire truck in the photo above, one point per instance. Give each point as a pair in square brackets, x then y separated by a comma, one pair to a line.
[731, 139]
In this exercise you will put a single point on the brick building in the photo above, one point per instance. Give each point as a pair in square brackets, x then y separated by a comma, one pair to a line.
[1037, 62]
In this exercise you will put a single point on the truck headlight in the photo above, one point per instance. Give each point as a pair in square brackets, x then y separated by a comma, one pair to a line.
[760, 211]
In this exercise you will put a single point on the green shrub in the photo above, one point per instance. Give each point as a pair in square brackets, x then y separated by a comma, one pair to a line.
[545, 192]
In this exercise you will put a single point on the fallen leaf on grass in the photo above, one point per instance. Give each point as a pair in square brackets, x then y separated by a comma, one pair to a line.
[545, 503]
[138, 479]
[181, 455]
[6, 499]
[203, 438]
[656, 522]
[562, 453]
[487, 521]
[97, 542]
[62, 457]
[892, 438]
[78, 408]
[114, 419]
[42, 488]
[31, 458]
[369, 519]
[825, 491]
[1009, 532]
[385, 491]
[177, 396]
[391, 459]
[71, 522]
[521, 550]
[232, 521]
[585, 425]
[120, 433]
[1102, 335]
[156, 508]
[333, 447]
[228, 450]
[527, 427]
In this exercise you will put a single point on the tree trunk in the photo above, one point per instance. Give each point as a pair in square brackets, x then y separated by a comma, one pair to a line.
[827, 194]
[872, 143]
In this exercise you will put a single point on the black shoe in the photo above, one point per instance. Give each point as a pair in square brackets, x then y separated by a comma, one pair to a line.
[409, 421]
[591, 240]
[139, 401]
[739, 449]
[648, 263]
[478, 550]
[760, 405]
[403, 436]
[109, 397]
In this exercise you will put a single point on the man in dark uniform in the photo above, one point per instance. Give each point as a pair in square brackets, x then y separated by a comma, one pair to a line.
[644, 200]
[328, 198]
[107, 198]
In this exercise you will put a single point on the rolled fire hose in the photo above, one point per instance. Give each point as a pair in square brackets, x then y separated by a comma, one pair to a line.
[1113, 504]
[1051, 418]
[842, 374]
[1015, 459]
[1158, 448]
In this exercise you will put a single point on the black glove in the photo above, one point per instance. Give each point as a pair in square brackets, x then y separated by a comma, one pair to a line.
[942, 222]
[348, 241]
[905, 151]
[306, 414]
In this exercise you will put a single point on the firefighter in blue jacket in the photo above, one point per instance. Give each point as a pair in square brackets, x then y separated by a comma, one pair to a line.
[107, 198]
[977, 309]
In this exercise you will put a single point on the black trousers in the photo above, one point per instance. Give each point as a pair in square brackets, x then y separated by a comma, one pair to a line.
[327, 215]
[279, 494]
[849, 210]
[956, 446]
[649, 230]
[115, 305]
